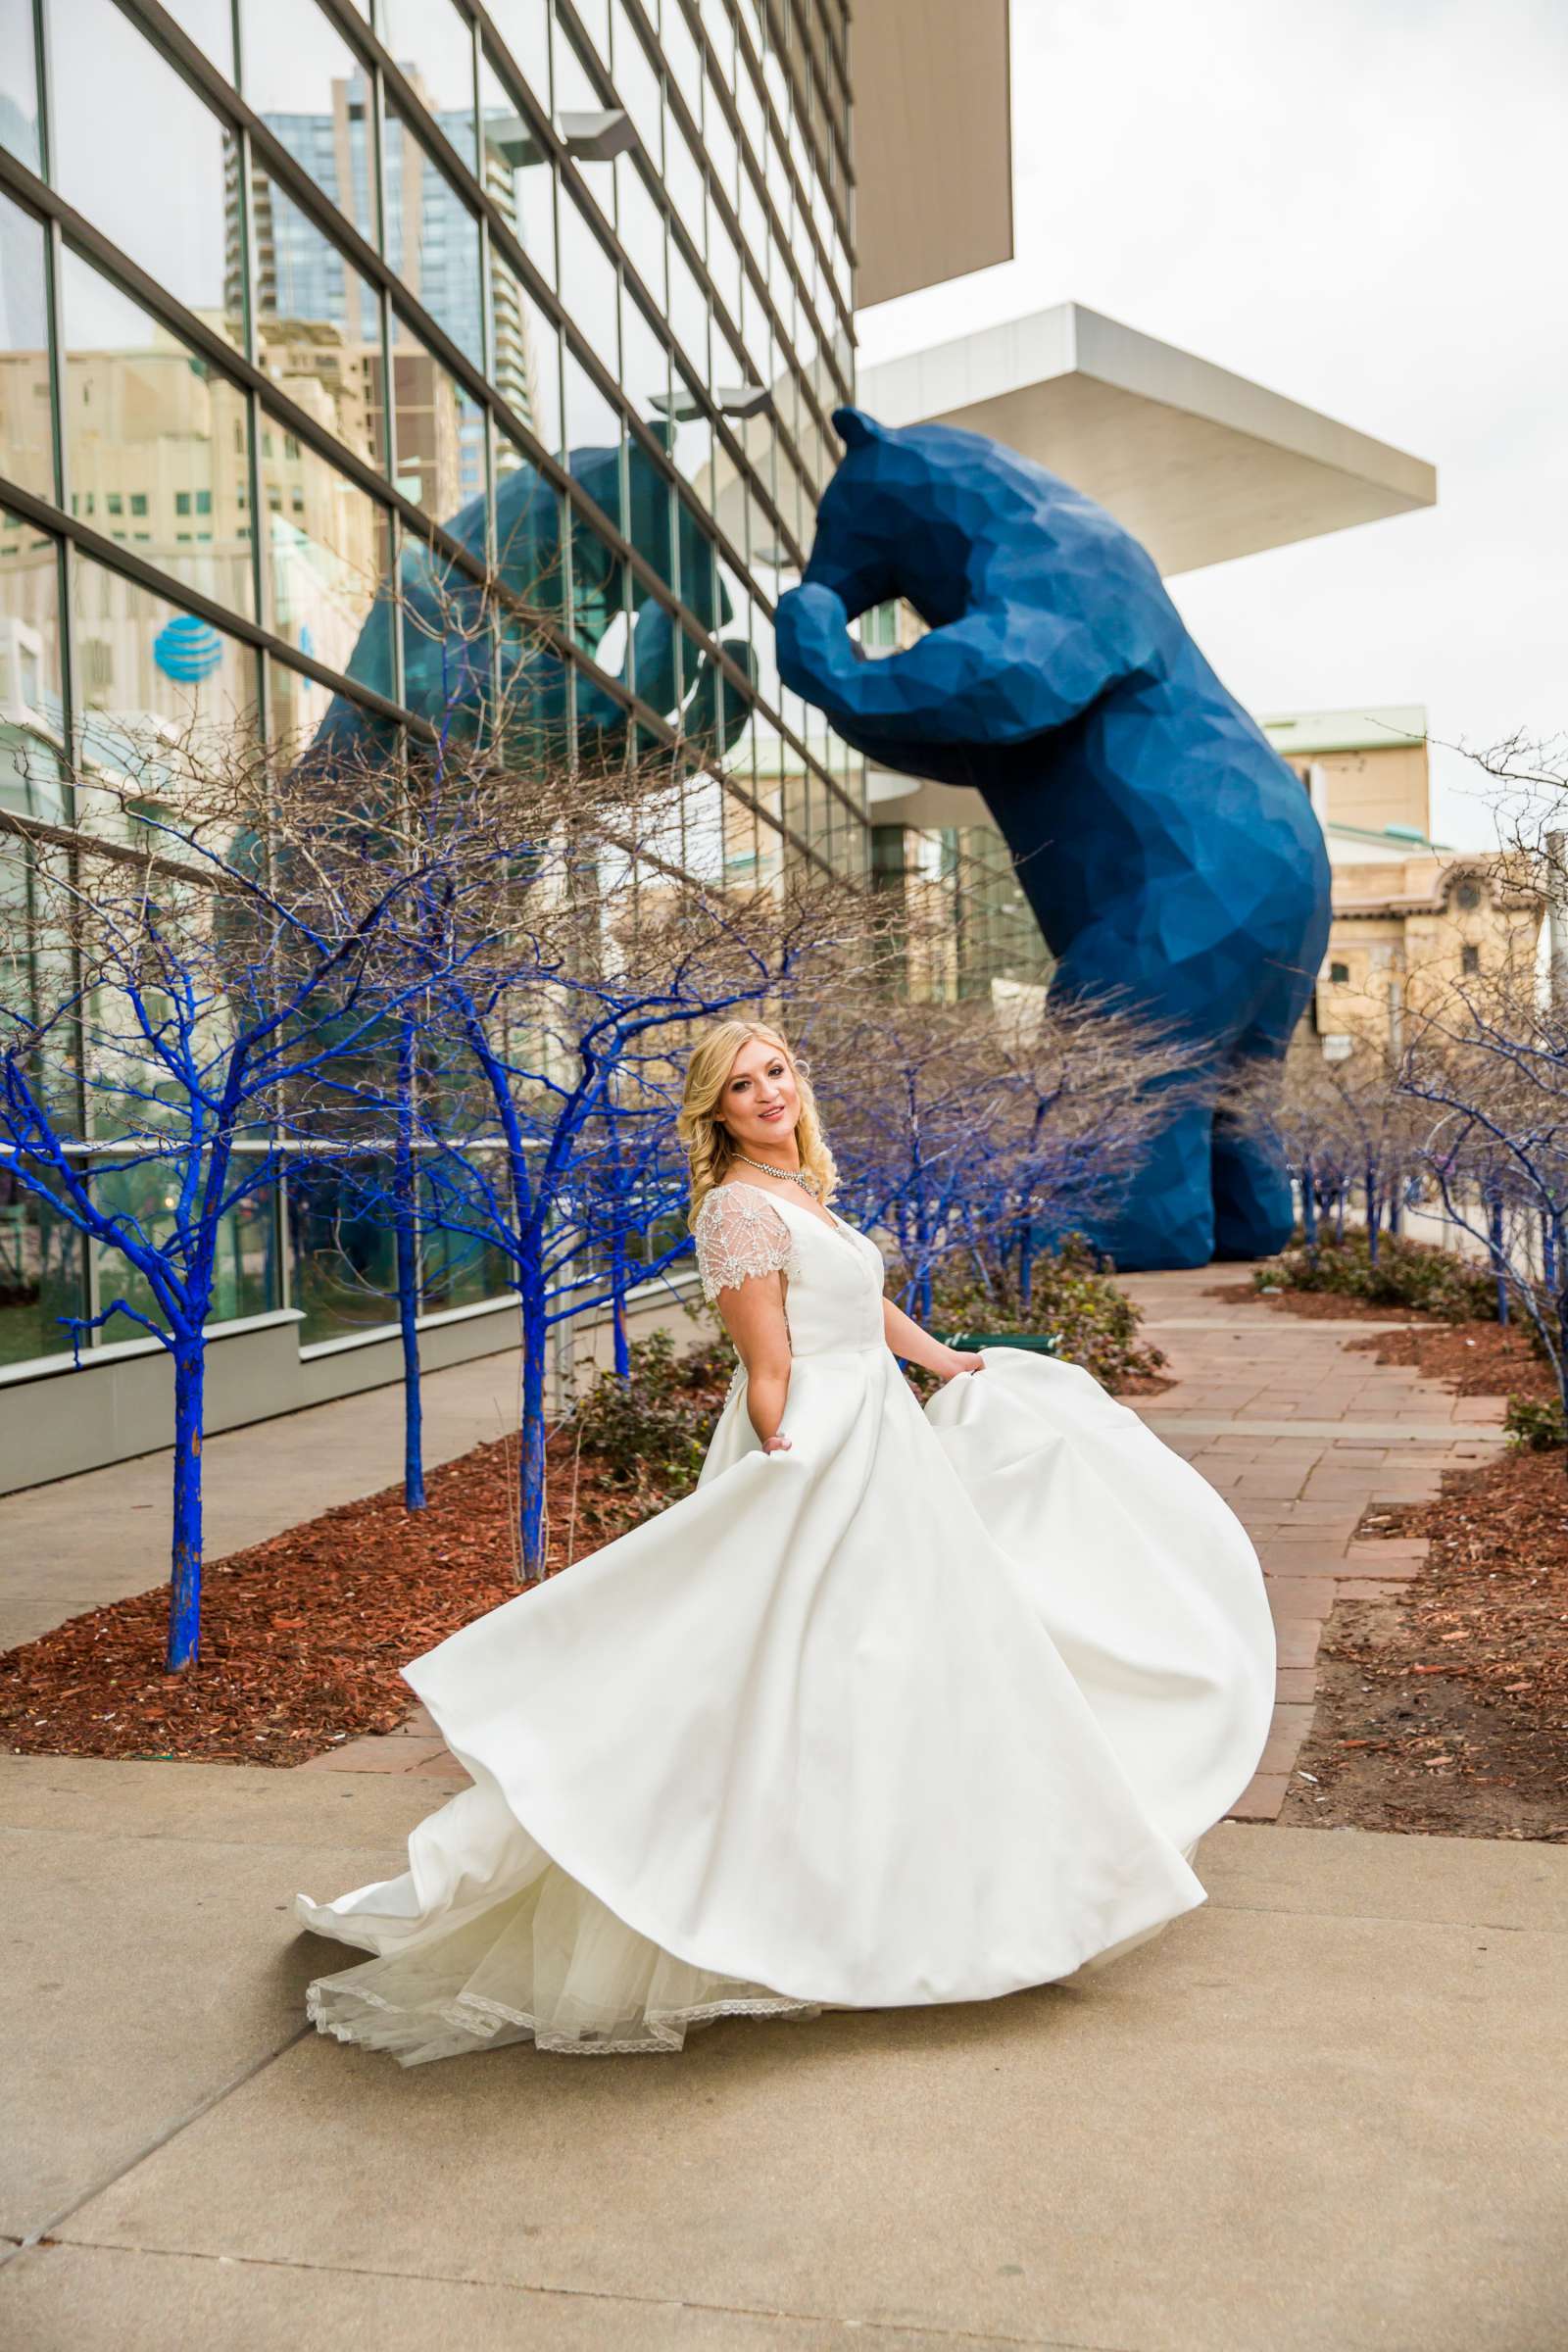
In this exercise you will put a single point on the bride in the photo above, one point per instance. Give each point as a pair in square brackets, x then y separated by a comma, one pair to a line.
[897, 1708]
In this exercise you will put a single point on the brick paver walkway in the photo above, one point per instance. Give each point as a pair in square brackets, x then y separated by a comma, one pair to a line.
[1303, 1438]
[1299, 1435]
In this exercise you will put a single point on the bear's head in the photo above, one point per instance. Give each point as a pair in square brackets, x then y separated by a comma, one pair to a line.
[900, 516]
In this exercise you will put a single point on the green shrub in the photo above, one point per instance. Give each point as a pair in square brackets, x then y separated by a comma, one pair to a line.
[1535, 1424]
[1072, 1297]
[648, 1432]
[1408, 1274]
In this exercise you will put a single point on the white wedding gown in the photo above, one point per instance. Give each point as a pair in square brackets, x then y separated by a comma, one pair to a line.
[933, 1706]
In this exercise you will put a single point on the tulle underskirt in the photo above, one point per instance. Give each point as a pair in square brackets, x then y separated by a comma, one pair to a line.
[553, 1965]
[548, 1963]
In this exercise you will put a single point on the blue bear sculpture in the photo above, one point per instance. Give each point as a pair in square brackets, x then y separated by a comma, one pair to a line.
[1172, 859]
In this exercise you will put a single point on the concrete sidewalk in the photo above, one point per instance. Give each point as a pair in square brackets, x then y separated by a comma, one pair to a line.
[1326, 2111]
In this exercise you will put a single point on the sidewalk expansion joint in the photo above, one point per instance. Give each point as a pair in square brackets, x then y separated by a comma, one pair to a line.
[50, 2226]
[871, 2327]
[1366, 1433]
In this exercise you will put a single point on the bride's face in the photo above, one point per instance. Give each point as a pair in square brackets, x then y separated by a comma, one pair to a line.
[760, 1102]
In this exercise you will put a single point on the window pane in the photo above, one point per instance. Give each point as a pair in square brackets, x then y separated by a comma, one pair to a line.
[326, 554]
[318, 322]
[694, 440]
[518, 172]
[457, 1270]
[19, 83]
[722, 155]
[305, 83]
[343, 1250]
[210, 28]
[524, 26]
[439, 432]
[645, 367]
[638, 83]
[435, 49]
[641, 228]
[723, 262]
[594, 436]
[597, 605]
[593, 16]
[590, 277]
[688, 312]
[26, 439]
[157, 442]
[115, 105]
[527, 530]
[681, 50]
[31, 704]
[544, 353]
[243, 1269]
[684, 182]
[432, 239]
[142, 663]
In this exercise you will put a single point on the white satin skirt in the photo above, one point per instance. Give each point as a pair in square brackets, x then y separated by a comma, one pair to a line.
[933, 1707]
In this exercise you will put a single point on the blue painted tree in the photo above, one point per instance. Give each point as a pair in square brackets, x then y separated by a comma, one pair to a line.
[567, 999]
[176, 1028]
[985, 1134]
[1487, 1064]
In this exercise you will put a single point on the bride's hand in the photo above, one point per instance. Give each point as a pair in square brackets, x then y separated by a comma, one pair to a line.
[778, 1442]
[957, 1360]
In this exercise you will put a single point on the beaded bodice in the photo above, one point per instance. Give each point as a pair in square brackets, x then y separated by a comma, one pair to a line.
[833, 1275]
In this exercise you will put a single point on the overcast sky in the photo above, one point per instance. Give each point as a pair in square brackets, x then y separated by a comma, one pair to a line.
[1360, 204]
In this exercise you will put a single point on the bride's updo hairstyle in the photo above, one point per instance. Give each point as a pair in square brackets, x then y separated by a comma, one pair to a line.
[709, 1147]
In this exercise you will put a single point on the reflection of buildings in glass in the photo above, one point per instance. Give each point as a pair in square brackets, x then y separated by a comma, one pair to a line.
[507, 144]
[223, 501]
[301, 278]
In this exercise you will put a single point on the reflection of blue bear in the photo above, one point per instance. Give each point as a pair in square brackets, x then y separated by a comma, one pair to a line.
[1172, 859]
[446, 637]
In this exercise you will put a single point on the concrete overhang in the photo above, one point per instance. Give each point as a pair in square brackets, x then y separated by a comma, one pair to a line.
[932, 129]
[1200, 465]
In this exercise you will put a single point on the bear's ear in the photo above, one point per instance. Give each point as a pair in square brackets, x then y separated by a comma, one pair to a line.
[855, 428]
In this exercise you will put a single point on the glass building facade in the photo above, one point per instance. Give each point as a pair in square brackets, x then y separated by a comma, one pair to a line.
[548, 297]
[296, 295]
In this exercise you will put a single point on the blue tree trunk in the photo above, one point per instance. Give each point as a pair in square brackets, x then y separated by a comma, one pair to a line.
[1548, 1254]
[532, 1477]
[1026, 1267]
[185, 1567]
[1499, 1263]
[1309, 1208]
[618, 1301]
[406, 1222]
[1372, 1213]
[413, 1397]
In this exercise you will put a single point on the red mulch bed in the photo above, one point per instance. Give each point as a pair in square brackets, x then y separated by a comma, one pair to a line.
[1473, 1359]
[1316, 1306]
[1444, 1709]
[302, 1636]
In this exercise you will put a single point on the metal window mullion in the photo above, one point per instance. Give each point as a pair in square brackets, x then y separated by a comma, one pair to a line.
[71, 714]
[375, 132]
[737, 130]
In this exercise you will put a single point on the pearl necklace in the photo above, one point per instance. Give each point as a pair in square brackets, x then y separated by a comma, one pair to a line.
[807, 1184]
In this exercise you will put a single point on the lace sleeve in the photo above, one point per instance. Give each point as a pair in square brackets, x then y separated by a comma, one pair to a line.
[739, 1233]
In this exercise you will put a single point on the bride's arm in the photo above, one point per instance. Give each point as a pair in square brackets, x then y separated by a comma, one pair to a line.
[754, 1316]
[916, 1346]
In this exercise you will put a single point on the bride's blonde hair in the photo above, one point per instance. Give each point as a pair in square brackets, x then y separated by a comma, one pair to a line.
[709, 1147]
